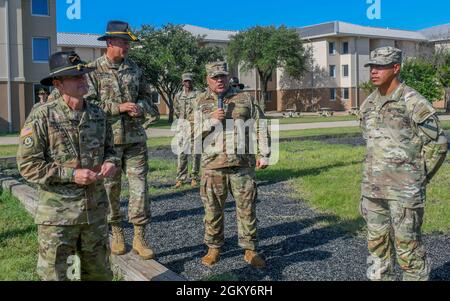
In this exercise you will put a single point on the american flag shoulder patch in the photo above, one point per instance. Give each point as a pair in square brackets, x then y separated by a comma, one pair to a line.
[26, 132]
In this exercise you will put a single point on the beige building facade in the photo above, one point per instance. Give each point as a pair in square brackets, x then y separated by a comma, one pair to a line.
[27, 38]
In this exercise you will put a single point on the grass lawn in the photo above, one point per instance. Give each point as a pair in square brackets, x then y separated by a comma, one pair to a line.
[18, 241]
[313, 119]
[162, 123]
[8, 150]
[328, 178]
[2, 134]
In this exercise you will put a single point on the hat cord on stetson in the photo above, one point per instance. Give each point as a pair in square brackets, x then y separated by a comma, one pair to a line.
[129, 33]
[79, 67]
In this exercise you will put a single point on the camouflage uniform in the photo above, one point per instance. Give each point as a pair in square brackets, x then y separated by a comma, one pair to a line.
[111, 85]
[396, 128]
[184, 110]
[226, 170]
[71, 218]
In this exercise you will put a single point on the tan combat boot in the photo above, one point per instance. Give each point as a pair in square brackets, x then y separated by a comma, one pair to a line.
[194, 183]
[140, 246]
[212, 257]
[254, 259]
[178, 184]
[118, 241]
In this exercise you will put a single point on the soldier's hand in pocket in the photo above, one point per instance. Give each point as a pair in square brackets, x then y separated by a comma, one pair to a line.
[108, 170]
[85, 177]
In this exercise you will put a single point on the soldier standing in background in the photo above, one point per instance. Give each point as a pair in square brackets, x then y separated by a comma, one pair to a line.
[184, 111]
[405, 148]
[118, 86]
[225, 169]
[66, 148]
[43, 96]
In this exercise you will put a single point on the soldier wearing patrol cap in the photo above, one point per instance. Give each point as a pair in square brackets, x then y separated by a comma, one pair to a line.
[184, 110]
[43, 96]
[405, 148]
[228, 161]
[66, 148]
[119, 87]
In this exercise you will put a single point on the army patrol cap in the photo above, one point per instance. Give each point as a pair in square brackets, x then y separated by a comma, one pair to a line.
[65, 63]
[43, 91]
[120, 30]
[384, 56]
[217, 68]
[187, 76]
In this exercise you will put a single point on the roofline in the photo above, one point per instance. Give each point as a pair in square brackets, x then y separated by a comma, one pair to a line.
[336, 32]
[359, 35]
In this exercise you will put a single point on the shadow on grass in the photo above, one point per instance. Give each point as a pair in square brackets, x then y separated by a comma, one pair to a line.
[272, 176]
[17, 233]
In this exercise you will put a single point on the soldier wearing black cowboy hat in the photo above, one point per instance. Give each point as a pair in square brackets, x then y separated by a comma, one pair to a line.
[119, 87]
[66, 149]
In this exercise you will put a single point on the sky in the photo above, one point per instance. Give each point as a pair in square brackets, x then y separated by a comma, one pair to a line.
[241, 14]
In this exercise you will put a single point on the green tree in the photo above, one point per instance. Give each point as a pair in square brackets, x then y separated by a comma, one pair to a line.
[421, 75]
[441, 61]
[266, 49]
[368, 87]
[166, 53]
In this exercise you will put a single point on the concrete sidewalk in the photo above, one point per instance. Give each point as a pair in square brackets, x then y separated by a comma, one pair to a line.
[155, 133]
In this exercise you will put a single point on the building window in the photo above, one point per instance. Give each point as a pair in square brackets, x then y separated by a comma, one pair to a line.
[345, 48]
[333, 94]
[345, 70]
[41, 50]
[332, 71]
[346, 93]
[156, 98]
[331, 47]
[269, 96]
[40, 8]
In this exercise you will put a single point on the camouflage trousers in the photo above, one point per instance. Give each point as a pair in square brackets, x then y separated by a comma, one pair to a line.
[393, 228]
[59, 244]
[134, 164]
[214, 187]
[182, 169]
[182, 166]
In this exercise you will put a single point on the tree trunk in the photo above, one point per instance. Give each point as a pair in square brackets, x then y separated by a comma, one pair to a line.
[447, 99]
[264, 94]
[171, 113]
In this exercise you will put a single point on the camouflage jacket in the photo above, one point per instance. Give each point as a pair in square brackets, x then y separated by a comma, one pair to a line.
[239, 107]
[396, 129]
[113, 84]
[53, 143]
[183, 105]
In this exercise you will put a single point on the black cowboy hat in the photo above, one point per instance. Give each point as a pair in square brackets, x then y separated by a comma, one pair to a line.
[65, 64]
[120, 30]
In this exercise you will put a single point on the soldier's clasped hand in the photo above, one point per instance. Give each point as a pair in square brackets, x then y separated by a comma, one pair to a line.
[85, 177]
[108, 170]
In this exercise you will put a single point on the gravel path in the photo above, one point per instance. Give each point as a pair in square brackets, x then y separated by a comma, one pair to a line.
[292, 237]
